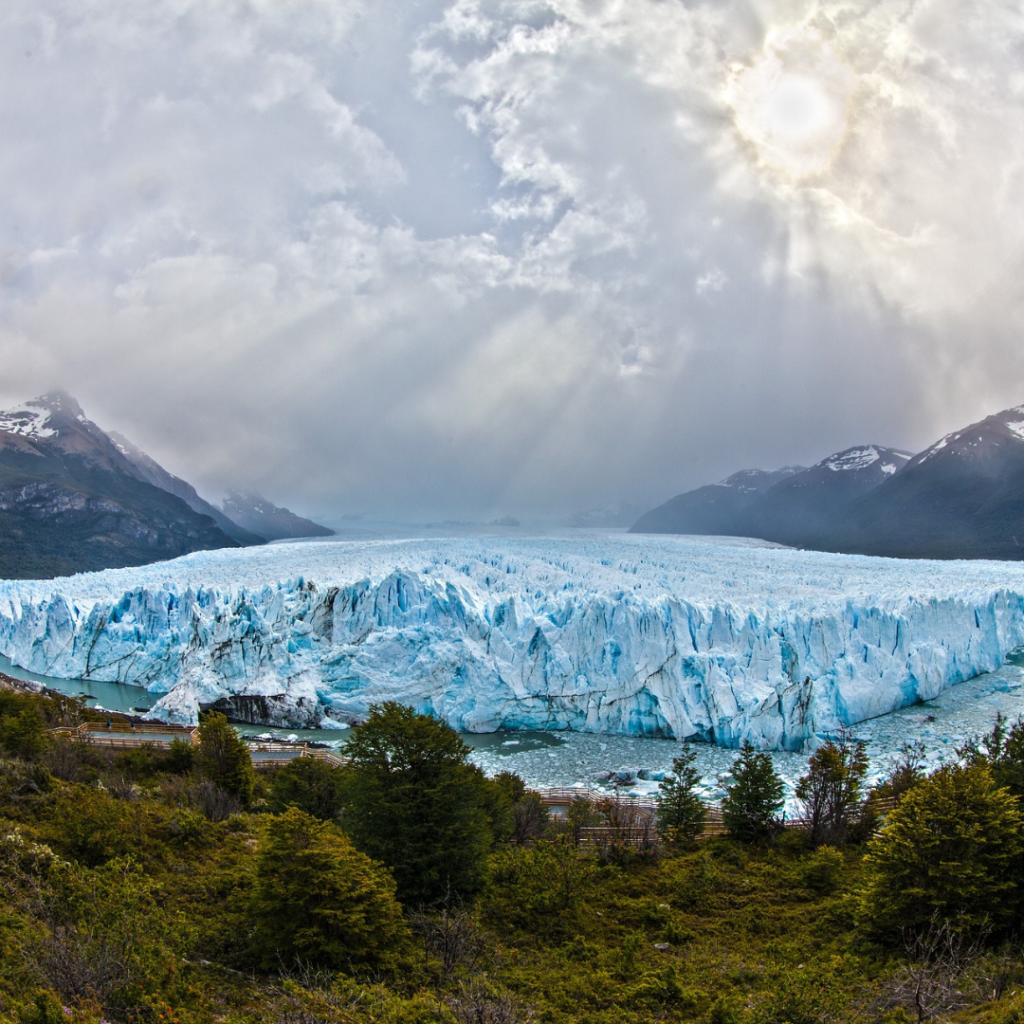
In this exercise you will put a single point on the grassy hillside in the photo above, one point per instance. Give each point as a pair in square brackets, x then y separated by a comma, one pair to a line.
[135, 889]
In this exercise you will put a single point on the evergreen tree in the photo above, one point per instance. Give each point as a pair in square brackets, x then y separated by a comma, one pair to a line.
[947, 853]
[832, 788]
[413, 801]
[318, 901]
[681, 813]
[223, 758]
[754, 798]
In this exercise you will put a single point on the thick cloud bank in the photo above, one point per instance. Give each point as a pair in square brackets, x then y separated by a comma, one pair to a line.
[504, 255]
[674, 637]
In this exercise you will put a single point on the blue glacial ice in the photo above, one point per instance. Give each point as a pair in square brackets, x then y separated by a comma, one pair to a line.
[671, 636]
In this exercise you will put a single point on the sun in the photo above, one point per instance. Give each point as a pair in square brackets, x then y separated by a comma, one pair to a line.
[793, 102]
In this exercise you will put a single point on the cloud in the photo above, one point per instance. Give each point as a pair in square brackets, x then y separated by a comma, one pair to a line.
[510, 255]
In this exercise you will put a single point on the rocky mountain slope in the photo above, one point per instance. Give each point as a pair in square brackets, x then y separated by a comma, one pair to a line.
[151, 470]
[255, 513]
[963, 497]
[70, 500]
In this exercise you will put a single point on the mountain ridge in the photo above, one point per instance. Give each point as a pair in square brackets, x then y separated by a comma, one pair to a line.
[961, 497]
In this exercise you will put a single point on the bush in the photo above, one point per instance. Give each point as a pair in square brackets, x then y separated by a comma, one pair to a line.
[823, 870]
[540, 886]
[311, 785]
[24, 734]
[946, 854]
[319, 901]
[92, 827]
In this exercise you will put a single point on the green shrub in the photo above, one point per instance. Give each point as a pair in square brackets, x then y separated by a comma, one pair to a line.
[823, 870]
[311, 785]
[92, 827]
[24, 734]
[946, 853]
[320, 901]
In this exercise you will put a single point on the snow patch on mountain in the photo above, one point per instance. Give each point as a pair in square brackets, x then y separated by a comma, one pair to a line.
[861, 458]
[667, 636]
[27, 420]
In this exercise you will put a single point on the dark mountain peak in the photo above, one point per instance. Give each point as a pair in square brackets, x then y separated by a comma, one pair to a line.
[60, 402]
[148, 469]
[74, 499]
[261, 516]
[986, 439]
[886, 460]
[757, 480]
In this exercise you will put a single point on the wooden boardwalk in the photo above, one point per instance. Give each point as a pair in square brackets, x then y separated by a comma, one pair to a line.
[128, 734]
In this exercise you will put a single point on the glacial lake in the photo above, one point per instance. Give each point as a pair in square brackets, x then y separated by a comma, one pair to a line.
[631, 764]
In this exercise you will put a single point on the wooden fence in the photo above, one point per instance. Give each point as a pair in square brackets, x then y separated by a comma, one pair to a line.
[631, 821]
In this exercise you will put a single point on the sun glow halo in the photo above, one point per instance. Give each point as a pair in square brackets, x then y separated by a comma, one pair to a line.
[792, 103]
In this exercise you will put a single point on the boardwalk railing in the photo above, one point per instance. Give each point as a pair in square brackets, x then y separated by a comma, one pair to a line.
[130, 734]
[123, 734]
[266, 755]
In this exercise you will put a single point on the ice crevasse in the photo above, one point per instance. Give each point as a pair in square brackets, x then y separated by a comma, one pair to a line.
[680, 637]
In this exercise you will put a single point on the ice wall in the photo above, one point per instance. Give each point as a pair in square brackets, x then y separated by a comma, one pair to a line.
[675, 638]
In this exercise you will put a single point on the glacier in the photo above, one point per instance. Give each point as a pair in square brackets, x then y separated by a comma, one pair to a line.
[711, 639]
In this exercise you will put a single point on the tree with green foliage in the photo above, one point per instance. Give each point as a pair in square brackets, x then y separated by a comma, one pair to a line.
[1002, 751]
[312, 785]
[319, 901]
[681, 812]
[904, 771]
[223, 758]
[832, 788]
[947, 853]
[753, 798]
[413, 801]
[24, 734]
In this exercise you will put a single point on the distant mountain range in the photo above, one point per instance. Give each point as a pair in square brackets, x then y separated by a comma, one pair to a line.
[963, 497]
[75, 499]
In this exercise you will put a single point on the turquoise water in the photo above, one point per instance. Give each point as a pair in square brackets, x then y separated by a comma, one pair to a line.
[635, 763]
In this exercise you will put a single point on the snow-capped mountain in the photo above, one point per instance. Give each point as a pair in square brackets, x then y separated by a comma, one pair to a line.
[71, 501]
[254, 512]
[808, 507]
[962, 497]
[717, 509]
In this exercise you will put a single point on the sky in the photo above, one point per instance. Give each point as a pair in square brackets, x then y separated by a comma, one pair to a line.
[472, 258]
